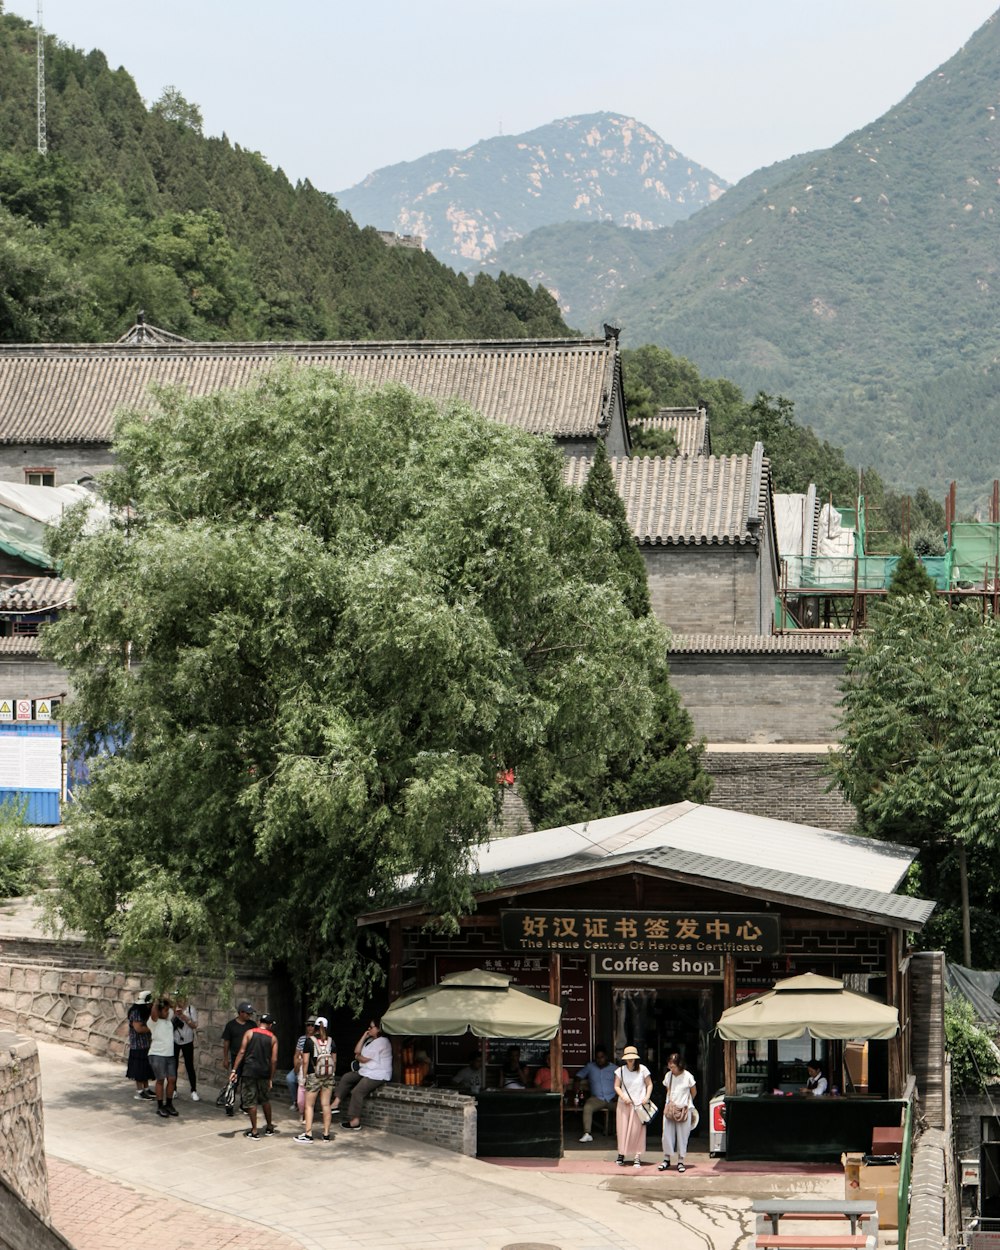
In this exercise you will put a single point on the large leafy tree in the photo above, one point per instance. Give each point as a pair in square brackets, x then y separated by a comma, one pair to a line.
[320, 623]
[919, 751]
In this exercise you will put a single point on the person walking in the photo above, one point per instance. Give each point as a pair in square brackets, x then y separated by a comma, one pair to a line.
[161, 1055]
[185, 1027]
[138, 1067]
[633, 1086]
[373, 1055]
[295, 1078]
[678, 1112]
[600, 1077]
[232, 1038]
[254, 1069]
[319, 1062]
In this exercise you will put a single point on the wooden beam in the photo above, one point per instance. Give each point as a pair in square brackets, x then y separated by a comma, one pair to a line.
[729, 1000]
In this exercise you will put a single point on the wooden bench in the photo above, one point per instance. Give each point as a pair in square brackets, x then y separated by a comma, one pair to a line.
[771, 1211]
[814, 1241]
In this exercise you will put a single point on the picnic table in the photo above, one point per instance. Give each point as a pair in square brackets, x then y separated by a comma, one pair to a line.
[819, 1211]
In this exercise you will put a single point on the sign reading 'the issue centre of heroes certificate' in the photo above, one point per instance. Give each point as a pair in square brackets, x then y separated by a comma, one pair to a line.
[578, 932]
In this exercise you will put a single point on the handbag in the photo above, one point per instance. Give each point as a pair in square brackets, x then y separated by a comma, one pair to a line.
[672, 1110]
[646, 1111]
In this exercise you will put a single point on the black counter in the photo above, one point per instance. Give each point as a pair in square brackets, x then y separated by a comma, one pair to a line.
[518, 1124]
[803, 1128]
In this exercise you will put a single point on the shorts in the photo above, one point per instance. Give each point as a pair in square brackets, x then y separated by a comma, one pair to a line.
[314, 1083]
[164, 1067]
[254, 1090]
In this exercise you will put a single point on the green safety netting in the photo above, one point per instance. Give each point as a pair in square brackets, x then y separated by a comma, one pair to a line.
[975, 551]
[819, 573]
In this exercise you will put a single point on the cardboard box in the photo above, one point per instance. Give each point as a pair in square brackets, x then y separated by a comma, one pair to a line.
[873, 1180]
[887, 1141]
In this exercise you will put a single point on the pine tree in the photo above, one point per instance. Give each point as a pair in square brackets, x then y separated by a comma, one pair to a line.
[600, 495]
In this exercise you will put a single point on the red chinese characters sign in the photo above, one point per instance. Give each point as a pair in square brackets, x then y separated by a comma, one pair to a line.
[646, 932]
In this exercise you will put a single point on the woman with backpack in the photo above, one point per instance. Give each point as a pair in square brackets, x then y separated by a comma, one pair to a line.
[319, 1058]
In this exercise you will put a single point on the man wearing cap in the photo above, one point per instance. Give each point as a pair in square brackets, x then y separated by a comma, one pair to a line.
[296, 1074]
[232, 1037]
[256, 1061]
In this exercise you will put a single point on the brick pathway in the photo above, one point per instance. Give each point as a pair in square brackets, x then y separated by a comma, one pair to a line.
[94, 1214]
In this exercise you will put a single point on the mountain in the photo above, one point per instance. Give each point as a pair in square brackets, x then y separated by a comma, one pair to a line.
[133, 207]
[865, 284]
[598, 167]
[587, 265]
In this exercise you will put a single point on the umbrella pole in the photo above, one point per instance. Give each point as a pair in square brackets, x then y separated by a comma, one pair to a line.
[483, 1052]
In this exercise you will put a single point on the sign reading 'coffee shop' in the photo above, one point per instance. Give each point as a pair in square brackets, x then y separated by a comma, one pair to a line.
[641, 932]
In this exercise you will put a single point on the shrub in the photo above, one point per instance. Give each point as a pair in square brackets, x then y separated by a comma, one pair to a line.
[22, 857]
[975, 1061]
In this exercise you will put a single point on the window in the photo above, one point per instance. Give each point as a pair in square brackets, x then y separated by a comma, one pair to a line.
[39, 477]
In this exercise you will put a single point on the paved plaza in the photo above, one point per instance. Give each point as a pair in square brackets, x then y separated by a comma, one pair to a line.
[118, 1172]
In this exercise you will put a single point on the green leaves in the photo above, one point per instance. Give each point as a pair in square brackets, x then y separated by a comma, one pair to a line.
[326, 620]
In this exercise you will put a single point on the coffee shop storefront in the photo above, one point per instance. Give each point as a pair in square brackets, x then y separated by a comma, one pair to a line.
[646, 927]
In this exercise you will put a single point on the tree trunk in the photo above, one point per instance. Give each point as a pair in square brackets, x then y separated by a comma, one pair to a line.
[963, 876]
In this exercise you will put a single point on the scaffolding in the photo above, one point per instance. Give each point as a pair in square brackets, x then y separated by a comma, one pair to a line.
[830, 589]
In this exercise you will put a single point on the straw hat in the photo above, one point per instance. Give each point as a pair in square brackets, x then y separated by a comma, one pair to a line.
[630, 1052]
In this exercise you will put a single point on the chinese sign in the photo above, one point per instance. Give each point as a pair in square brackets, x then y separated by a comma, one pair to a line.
[641, 932]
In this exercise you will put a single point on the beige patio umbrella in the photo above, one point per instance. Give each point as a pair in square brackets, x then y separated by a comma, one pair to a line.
[480, 1002]
[819, 1006]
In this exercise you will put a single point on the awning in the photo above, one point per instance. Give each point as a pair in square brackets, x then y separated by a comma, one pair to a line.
[819, 1006]
[479, 1002]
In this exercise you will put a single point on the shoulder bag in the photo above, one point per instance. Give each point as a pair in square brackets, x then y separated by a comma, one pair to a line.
[672, 1110]
[647, 1110]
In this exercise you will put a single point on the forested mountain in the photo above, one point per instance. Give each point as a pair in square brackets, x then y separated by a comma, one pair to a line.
[866, 285]
[597, 167]
[587, 265]
[133, 207]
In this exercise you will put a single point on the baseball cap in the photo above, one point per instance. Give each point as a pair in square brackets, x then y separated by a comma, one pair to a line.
[246, 1007]
[266, 1019]
[143, 998]
[321, 1022]
[310, 1019]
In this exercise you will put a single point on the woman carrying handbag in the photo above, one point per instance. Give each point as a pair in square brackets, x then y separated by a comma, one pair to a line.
[633, 1085]
[678, 1112]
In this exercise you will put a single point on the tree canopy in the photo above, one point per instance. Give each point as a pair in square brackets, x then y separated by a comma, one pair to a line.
[920, 739]
[320, 624]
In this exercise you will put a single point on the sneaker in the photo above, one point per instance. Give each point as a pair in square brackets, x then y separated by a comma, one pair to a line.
[294, 1107]
[139, 1095]
[637, 1164]
[326, 1137]
[195, 1096]
[681, 1167]
[171, 1109]
[620, 1161]
[664, 1166]
[252, 1135]
[269, 1131]
[163, 1111]
[229, 1111]
[148, 1095]
[304, 1137]
[355, 1128]
[586, 1137]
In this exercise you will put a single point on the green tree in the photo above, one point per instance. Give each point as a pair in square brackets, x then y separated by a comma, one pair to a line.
[909, 577]
[600, 496]
[974, 1061]
[173, 107]
[320, 623]
[920, 736]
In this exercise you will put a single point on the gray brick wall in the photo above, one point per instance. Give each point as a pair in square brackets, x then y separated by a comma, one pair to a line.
[782, 785]
[70, 462]
[29, 677]
[707, 589]
[443, 1117]
[760, 698]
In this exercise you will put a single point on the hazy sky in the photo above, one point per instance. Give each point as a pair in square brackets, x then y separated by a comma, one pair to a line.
[332, 90]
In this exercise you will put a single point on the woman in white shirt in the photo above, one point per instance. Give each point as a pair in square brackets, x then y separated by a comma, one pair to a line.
[633, 1085]
[681, 1093]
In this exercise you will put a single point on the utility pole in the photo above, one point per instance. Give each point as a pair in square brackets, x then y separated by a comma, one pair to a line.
[43, 143]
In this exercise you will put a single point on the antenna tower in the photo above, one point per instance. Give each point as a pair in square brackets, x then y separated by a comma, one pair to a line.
[43, 144]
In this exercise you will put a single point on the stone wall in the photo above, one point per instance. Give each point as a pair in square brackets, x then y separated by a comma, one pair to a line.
[709, 589]
[784, 785]
[760, 698]
[65, 992]
[70, 463]
[443, 1117]
[30, 677]
[22, 1144]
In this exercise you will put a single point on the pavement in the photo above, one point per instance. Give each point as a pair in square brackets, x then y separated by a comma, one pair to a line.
[118, 1171]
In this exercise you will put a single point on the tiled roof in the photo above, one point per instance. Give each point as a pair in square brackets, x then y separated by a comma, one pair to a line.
[689, 427]
[70, 393]
[796, 643]
[38, 594]
[688, 499]
[19, 644]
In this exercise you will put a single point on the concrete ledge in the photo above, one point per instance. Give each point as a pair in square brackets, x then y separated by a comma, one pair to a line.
[926, 1226]
[440, 1117]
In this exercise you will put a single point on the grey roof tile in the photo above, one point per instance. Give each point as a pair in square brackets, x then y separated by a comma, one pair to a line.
[799, 642]
[689, 426]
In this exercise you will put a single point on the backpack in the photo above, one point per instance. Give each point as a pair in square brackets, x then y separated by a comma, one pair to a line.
[324, 1060]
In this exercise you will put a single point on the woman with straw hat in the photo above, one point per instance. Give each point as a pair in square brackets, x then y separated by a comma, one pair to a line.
[633, 1085]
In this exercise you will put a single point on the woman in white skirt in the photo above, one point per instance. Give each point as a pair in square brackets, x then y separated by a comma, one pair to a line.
[681, 1093]
[633, 1085]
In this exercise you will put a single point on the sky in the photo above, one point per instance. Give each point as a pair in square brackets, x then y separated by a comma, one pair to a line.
[330, 90]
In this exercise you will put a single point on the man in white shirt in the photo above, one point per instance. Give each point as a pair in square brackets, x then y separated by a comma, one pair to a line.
[373, 1056]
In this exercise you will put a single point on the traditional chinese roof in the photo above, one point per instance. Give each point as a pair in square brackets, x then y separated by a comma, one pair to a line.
[681, 500]
[689, 427]
[38, 594]
[798, 865]
[70, 393]
[19, 644]
[798, 642]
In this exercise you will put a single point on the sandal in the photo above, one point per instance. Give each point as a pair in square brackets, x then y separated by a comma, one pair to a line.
[681, 1167]
[664, 1166]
